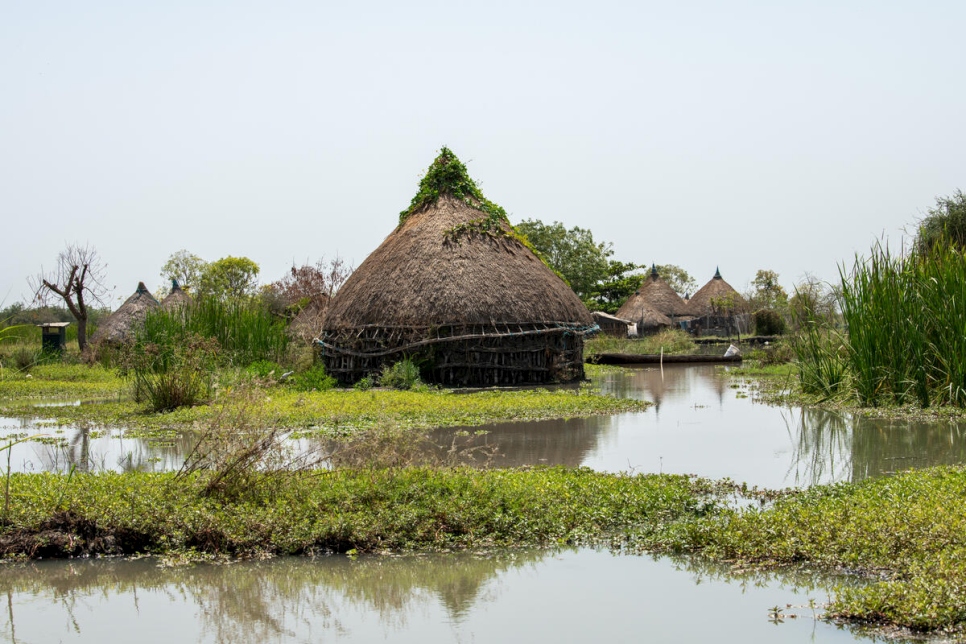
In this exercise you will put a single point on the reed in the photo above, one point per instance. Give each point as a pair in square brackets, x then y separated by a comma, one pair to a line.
[244, 330]
[905, 339]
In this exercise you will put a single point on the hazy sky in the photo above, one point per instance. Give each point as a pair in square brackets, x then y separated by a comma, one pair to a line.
[745, 135]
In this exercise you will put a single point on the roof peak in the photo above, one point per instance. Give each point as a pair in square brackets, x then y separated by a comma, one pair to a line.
[447, 175]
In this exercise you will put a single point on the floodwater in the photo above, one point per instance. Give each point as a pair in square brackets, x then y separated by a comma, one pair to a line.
[530, 596]
[703, 422]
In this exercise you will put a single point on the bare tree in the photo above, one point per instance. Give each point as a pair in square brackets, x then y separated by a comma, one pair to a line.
[77, 280]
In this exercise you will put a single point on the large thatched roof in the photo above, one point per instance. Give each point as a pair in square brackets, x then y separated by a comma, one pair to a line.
[454, 260]
[707, 301]
[119, 324]
[655, 295]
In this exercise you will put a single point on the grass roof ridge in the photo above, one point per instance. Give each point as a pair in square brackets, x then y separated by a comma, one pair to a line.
[447, 175]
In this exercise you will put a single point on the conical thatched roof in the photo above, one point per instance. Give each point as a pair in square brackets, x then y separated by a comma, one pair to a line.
[657, 295]
[716, 289]
[118, 325]
[454, 259]
[177, 297]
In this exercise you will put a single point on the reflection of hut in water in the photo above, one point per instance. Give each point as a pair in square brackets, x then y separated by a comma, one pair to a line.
[457, 291]
[718, 309]
[613, 325]
[654, 306]
[177, 298]
[120, 325]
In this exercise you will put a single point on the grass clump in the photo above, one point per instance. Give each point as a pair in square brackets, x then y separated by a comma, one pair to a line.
[667, 341]
[402, 375]
[313, 379]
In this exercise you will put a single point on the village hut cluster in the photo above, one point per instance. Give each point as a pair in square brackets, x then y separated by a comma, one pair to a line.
[715, 309]
[456, 290]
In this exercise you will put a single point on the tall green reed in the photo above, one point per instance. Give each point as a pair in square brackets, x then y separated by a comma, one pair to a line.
[906, 321]
[244, 330]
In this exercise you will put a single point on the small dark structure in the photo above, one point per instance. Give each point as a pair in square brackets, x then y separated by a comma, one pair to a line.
[612, 325]
[718, 309]
[120, 324]
[53, 336]
[455, 289]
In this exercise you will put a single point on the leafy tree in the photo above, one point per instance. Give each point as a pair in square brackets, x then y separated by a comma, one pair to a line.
[184, 267]
[77, 280]
[814, 298]
[573, 253]
[228, 278]
[677, 278]
[767, 293]
[945, 224]
[621, 282]
[306, 284]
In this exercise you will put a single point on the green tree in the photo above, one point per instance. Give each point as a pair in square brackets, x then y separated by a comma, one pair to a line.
[677, 278]
[184, 267]
[573, 253]
[621, 282]
[767, 293]
[945, 224]
[229, 277]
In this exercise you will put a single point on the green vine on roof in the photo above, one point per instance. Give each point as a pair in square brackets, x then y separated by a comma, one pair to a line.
[447, 174]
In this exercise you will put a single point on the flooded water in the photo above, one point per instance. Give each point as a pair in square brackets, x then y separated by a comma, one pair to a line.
[569, 596]
[707, 423]
[703, 422]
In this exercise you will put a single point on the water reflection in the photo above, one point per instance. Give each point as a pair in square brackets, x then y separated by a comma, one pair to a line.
[579, 595]
[703, 422]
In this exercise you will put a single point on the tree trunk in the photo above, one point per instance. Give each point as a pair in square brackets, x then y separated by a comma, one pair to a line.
[81, 334]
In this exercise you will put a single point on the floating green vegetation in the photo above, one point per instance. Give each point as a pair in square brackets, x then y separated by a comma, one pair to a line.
[368, 510]
[339, 410]
[907, 532]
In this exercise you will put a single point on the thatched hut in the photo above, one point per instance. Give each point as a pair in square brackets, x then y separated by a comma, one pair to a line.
[118, 326]
[654, 306]
[177, 298]
[718, 308]
[455, 289]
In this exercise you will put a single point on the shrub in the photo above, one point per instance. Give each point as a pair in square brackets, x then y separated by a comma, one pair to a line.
[264, 370]
[400, 375]
[768, 322]
[177, 375]
[315, 379]
[364, 384]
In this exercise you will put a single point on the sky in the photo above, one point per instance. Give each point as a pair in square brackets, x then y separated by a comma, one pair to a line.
[788, 136]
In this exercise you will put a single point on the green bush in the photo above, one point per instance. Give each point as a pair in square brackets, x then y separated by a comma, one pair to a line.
[315, 379]
[364, 384]
[400, 375]
[265, 370]
[768, 322]
[174, 375]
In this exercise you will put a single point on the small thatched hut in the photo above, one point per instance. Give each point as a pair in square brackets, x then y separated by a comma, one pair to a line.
[117, 327]
[654, 305]
[455, 289]
[176, 298]
[718, 308]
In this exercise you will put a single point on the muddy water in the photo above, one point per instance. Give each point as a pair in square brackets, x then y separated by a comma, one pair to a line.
[703, 422]
[569, 596]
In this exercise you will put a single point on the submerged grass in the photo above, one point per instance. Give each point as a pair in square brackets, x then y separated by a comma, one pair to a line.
[340, 410]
